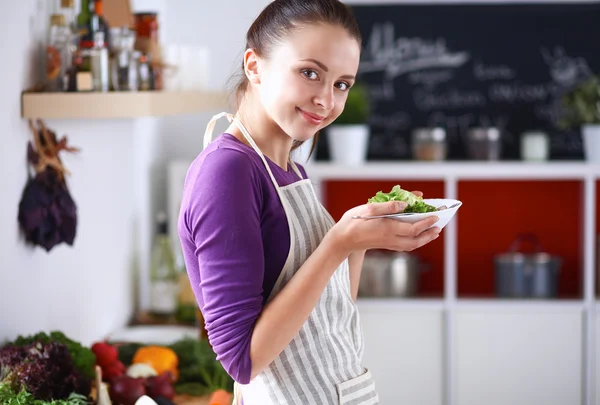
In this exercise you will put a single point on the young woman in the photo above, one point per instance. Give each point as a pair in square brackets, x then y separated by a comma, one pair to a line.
[275, 277]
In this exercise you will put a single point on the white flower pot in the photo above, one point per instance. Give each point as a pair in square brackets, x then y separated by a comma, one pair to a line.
[348, 144]
[591, 142]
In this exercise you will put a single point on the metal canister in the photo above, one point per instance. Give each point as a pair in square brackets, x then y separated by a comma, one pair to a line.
[526, 275]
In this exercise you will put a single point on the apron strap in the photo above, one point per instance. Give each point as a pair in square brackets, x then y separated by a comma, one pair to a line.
[232, 118]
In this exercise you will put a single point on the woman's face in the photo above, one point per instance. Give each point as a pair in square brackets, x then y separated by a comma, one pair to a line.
[304, 83]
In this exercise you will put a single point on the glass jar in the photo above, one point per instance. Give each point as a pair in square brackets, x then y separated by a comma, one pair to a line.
[484, 143]
[146, 25]
[429, 144]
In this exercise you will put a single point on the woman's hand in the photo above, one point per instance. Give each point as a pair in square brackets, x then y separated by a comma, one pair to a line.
[351, 234]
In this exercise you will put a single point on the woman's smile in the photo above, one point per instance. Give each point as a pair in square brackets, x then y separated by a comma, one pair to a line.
[313, 119]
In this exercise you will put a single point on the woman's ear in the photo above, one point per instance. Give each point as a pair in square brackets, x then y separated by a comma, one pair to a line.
[251, 66]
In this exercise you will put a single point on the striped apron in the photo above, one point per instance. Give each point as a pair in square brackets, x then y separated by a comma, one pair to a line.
[322, 364]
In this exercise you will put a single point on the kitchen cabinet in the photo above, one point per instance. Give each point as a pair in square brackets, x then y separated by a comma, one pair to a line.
[551, 338]
[595, 375]
[403, 350]
[518, 359]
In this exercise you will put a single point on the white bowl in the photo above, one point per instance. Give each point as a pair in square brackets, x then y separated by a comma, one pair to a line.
[444, 215]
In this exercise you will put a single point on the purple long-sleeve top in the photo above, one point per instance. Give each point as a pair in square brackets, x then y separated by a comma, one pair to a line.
[235, 240]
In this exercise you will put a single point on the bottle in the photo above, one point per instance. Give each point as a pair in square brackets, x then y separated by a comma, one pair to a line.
[89, 21]
[144, 73]
[164, 277]
[99, 63]
[58, 54]
[103, 24]
[186, 300]
[67, 8]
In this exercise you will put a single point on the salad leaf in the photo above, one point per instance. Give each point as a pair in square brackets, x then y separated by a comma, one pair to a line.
[414, 202]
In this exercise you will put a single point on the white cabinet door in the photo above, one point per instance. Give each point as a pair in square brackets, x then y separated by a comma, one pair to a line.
[518, 358]
[403, 350]
[596, 374]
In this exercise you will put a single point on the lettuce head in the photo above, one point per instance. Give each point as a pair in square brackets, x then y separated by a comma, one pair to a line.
[414, 202]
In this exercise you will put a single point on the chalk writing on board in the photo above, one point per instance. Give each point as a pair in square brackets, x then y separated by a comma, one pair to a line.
[457, 125]
[449, 99]
[483, 72]
[519, 92]
[398, 121]
[397, 56]
[566, 71]
[424, 69]
[430, 78]
[381, 91]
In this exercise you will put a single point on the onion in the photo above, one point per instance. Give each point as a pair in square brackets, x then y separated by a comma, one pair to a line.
[125, 390]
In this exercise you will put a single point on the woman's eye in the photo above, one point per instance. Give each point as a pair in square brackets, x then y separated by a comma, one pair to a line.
[342, 86]
[310, 74]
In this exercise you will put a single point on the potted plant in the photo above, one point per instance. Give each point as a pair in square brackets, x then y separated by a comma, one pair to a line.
[348, 135]
[582, 108]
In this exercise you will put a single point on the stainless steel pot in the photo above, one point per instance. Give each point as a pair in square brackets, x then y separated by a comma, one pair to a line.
[526, 275]
[390, 274]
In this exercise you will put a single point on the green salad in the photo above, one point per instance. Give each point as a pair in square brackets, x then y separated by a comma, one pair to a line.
[414, 202]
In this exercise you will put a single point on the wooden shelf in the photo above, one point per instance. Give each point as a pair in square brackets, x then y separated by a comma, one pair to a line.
[119, 104]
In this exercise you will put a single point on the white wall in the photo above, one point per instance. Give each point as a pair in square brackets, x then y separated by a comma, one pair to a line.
[85, 290]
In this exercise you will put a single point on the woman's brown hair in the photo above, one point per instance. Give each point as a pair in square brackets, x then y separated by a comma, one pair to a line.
[280, 18]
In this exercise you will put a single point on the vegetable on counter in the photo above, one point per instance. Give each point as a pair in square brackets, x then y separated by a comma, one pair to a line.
[10, 397]
[141, 370]
[107, 357]
[160, 358]
[83, 357]
[220, 397]
[200, 373]
[126, 390]
[44, 370]
[199, 370]
[414, 202]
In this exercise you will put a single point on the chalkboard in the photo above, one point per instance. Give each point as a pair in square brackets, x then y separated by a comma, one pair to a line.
[465, 65]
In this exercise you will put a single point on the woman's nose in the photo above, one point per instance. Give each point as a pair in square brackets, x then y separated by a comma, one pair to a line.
[325, 98]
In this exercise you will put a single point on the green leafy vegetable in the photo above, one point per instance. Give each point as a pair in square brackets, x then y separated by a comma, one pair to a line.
[198, 365]
[83, 357]
[9, 397]
[45, 370]
[127, 351]
[414, 202]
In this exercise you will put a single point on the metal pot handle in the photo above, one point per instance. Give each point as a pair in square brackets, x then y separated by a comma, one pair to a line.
[525, 237]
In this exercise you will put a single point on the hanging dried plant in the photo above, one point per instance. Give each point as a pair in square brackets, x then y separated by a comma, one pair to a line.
[47, 213]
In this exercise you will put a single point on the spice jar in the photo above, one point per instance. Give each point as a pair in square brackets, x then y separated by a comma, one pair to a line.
[484, 143]
[429, 144]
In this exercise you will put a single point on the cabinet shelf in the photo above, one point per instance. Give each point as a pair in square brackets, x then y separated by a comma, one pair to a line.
[477, 304]
[407, 303]
[119, 104]
[521, 304]
[471, 170]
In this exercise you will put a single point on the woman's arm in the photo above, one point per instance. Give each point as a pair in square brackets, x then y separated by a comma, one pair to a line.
[355, 261]
[282, 318]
